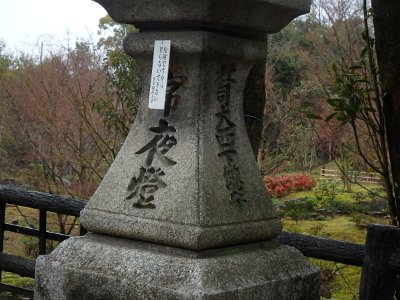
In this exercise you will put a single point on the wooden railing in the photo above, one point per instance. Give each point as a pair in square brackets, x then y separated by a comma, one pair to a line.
[44, 203]
[379, 257]
[354, 176]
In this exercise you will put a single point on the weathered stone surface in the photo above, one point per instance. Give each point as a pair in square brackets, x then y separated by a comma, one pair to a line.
[210, 193]
[245, 17]
[99, 267]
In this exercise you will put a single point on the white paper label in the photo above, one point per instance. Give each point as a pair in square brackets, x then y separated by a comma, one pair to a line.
[159, 74]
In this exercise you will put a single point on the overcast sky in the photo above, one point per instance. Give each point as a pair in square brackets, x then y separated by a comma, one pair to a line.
[26, 23]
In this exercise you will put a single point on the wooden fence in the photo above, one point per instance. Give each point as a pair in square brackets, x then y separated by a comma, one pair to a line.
[353, 176]
[379, 257]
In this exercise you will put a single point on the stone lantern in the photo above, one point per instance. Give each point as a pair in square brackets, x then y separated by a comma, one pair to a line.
[182, 213]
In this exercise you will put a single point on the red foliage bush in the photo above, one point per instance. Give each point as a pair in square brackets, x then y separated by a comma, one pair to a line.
[283, 185]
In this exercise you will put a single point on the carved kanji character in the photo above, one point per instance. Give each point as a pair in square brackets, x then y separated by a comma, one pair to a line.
[145, 185]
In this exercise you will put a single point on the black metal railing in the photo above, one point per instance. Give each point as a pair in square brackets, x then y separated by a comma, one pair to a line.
[44, 202]
[379, 257]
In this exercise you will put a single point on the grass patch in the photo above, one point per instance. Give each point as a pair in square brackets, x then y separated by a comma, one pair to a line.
[16, 280]
[341, 280]
[338, 228]
[13, 279]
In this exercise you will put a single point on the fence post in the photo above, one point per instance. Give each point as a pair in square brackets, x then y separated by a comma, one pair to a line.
[42, 231]
[2, 225]
[378, 280]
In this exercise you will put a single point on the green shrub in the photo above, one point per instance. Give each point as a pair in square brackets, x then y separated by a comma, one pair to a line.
[345, 207]
[298, 209]
[359, 196]
[361, 220]
[325, 191]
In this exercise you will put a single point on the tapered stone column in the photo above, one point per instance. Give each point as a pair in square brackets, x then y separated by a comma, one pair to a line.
[185, 191]
[207, 189]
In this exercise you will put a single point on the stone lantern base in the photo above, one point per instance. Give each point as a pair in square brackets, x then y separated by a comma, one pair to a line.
[101, 267]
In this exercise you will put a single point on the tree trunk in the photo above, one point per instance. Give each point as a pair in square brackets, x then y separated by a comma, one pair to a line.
[378, 279]
[387, 24]
[253, 105]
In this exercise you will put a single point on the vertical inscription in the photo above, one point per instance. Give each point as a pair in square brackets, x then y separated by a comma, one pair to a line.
[226, 131]
[142, 188]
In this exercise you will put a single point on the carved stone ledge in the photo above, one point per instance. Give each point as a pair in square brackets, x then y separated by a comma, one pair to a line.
[250, 18]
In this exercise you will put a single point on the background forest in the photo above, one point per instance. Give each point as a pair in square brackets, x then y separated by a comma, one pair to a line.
[65, 113]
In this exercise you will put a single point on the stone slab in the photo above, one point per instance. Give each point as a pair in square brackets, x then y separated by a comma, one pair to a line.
[208, 191]
[235, 17]
[99, 267]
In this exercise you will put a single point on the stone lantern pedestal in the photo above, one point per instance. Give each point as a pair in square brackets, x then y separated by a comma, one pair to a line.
[102, 267]
[183, 213]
